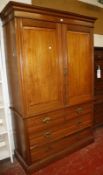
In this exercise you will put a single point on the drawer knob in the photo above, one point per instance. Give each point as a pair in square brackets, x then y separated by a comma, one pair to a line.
[46, 119]
[61, 20]
[79, 110]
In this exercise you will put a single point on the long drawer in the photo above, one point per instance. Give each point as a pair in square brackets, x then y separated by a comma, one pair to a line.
[57, 118]
[58, 146]
[60, 131]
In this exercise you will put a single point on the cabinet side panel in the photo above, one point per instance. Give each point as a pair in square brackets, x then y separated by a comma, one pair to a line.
[20, 137]
[12, 66]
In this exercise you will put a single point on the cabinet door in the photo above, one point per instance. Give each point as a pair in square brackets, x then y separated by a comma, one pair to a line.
[42, 66]
[79, 65]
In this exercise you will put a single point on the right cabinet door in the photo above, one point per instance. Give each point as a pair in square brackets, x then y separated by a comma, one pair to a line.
[79, 79]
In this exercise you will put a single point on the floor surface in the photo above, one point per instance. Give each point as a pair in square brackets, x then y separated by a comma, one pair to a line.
[87, 161]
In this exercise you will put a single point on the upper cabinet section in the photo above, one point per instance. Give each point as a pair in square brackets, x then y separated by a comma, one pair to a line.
[51, 54]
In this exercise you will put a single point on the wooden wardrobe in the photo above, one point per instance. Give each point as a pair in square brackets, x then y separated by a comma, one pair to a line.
[49, 59]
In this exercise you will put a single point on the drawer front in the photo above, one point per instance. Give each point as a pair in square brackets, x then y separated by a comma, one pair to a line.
[78, 110]
[84, 121]
[55, 147]
[59, 132]
[45, 121]
[58, 118]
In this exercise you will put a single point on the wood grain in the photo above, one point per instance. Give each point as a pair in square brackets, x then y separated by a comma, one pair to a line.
[49, 56]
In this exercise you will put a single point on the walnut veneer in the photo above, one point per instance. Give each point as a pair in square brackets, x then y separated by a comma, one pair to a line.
[49, 59]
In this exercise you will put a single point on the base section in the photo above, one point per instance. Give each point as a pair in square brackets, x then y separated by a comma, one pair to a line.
[74, 142]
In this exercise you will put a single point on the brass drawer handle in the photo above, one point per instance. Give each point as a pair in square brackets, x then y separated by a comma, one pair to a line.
[46, 119]
[47, 134]
[79, 110]
[79, 122]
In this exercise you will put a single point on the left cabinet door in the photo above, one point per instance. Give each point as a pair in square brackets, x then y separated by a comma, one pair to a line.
[41, 66]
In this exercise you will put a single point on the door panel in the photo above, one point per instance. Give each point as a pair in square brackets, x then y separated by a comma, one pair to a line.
[79, 58]
[42, 68]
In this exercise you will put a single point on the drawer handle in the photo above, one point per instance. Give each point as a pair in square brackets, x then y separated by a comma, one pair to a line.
[46, 119]
[79, 110]
[79, 122]
[47, 134]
